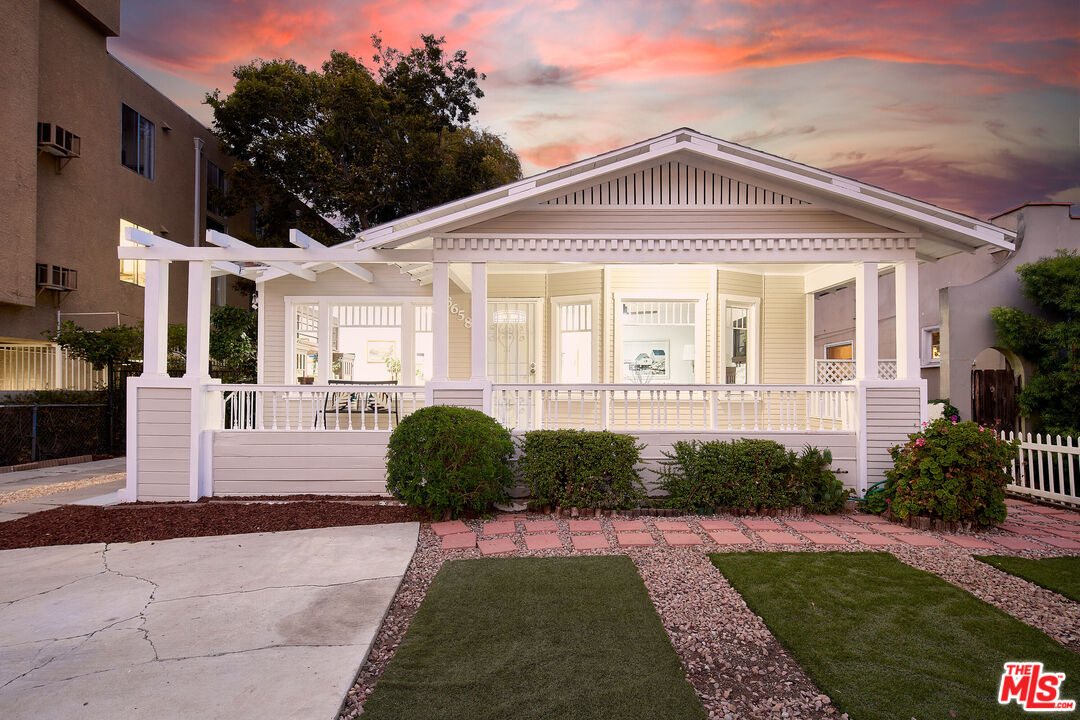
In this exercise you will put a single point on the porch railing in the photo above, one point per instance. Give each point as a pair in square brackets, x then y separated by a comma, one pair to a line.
[1047, 468]
[316, 407]
[828, 372]
[716, 408]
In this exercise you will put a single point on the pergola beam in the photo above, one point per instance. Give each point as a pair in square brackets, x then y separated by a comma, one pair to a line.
[307, 242]
[228, 241]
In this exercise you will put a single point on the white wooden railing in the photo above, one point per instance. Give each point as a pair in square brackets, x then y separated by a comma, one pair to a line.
[43, 366]
[316, 407]
[1046, 468]
[828, 372]
[715, 408]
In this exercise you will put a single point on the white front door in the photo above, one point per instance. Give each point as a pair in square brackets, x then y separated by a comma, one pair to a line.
[513, 355]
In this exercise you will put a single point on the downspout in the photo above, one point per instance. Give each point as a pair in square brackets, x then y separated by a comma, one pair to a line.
[198, 168]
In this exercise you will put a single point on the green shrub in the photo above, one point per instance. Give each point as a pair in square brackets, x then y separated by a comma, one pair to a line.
[741, 474]
[581, 468]
[948, 410]
[819, 490]
[449, 460]
[952, 471]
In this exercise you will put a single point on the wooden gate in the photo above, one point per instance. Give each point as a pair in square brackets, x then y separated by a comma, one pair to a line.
[993, 399]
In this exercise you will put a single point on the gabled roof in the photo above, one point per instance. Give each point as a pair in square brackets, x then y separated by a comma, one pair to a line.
[953, 229]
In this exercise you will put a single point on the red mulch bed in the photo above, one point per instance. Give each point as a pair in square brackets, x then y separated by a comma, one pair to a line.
[75, 524]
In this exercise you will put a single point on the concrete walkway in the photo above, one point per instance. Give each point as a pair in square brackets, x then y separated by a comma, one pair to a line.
[259, 626]
[102, 494]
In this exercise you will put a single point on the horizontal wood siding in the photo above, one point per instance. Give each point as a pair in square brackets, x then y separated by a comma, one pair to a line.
[783, 331]
[460, 337]
[674, 183]
[892, 413]
[163, 443]
[318, 462]
[389, 282]
[460, 397]
[672, 221]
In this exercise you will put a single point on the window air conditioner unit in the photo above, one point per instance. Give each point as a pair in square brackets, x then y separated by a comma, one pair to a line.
[54, 277]
[57, 141]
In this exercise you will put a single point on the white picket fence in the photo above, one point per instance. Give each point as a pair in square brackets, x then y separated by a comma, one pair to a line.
[1046, 468]
[44, 366]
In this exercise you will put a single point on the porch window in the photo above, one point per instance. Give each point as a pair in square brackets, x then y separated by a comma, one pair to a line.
[306, 342]
[424, 343]
[840, 351]
[659, 341]
[575, 338]
[365, 342]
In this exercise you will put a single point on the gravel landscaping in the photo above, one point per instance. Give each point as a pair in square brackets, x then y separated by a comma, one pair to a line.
[37, 491]
[76, 524]
[734, 663]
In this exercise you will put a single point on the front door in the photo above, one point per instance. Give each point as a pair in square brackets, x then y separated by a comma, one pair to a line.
[512, 341]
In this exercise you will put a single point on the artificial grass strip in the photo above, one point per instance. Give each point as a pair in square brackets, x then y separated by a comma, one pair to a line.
[1060, 574]
[885, 640]
[572, 637]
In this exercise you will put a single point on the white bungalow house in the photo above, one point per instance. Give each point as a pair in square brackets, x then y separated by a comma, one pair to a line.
[663, 289]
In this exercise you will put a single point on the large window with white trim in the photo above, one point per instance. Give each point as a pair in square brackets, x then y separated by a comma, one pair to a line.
[575, 341]
[738, 341]
[660, 340]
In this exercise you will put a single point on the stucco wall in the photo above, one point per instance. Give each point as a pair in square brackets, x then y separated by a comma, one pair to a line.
[60, 72]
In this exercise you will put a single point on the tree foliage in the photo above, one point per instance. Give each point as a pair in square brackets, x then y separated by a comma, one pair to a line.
[1050, 341]
[363, 145]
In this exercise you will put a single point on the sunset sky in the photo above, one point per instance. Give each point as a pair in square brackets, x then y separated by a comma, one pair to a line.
[971, 105]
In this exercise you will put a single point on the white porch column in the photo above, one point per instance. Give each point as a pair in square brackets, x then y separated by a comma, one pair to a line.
[866, 321]
[198, 320]
[156, 319]
[440, 327]
[479, 321]
[907, 320]
[324, 368]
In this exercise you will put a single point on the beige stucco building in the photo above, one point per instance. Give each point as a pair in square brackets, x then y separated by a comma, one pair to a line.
[138, 157]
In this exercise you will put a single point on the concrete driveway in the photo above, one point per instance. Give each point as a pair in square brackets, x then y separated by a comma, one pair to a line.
[261, 626]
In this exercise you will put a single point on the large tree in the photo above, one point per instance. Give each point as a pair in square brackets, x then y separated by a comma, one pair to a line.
[1050, 341]
[358, 144]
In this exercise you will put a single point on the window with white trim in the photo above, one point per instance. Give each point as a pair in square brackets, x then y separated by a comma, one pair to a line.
[131, 271]
[574, 340]
[931, 345]
[660, 340]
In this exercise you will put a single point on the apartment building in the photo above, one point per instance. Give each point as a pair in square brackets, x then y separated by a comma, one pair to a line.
[88, 147]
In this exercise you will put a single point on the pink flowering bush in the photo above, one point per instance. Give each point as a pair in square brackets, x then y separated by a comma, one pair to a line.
[950, 470]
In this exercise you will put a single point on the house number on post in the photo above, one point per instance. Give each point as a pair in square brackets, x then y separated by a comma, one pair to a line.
[455, 309]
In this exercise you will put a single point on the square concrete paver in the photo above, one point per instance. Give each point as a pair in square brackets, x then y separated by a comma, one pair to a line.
[895, 529]
[628, 525]
[499, 528]
[1014, 543]
[451, 527]
[590, 542]
[459, 541]
[870, 519]
[542, 542]
[761, 524]
[496, 546]
[920, 540]
[805, 526]
[779, 538]
[681, 538]
[966, 541]
[672, 526]
[632, 539]
[873, 539]
[825, 539]
[729, 538]
[536, 526]
[585, 526]
[716, 524]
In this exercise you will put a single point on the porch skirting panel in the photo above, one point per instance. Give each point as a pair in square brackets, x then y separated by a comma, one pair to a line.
[160, 419]
[322, 462]
[891, 413]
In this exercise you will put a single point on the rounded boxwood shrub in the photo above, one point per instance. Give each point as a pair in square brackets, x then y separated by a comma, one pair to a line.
[951, 471]
[581, 468]
[449, 460]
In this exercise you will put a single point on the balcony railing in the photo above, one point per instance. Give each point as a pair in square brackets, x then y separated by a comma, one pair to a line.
[715, 408]
[829, 372]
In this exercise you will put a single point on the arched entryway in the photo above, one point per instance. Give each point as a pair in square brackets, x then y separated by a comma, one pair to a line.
[995, 383]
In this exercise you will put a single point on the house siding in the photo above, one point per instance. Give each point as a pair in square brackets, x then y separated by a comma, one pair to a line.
[783, 331]
[892, 413]
[163, 450]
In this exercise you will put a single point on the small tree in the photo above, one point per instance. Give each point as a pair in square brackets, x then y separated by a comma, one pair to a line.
[1050, 341]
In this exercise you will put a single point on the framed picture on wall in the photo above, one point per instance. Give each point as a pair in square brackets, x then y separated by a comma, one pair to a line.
[646, 359]
[379, 350]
